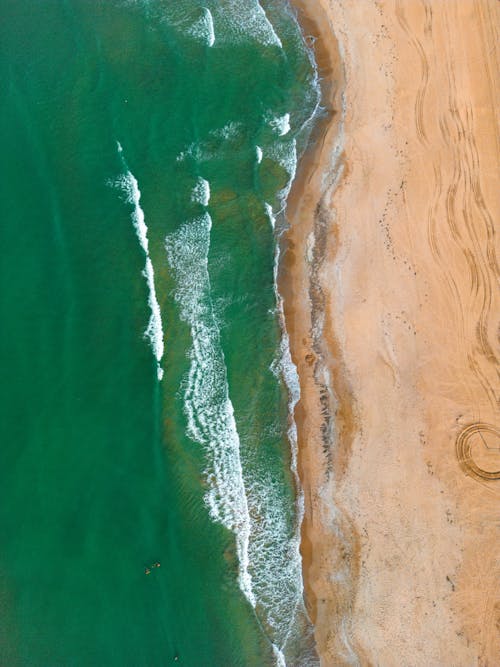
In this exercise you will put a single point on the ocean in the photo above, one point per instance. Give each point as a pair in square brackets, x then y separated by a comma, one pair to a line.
[150, 508]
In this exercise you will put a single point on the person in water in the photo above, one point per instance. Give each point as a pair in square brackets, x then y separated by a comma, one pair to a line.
[147, 570]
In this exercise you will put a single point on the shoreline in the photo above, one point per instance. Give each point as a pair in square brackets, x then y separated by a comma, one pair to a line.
[324, 413]
[387, 275]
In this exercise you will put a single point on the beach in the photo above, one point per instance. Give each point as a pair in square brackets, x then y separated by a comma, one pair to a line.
[389, 281]
[172, 273]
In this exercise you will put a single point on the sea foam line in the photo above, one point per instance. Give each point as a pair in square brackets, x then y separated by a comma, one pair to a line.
[207, 405]
[154, 331]
[285, 367]
[285, 153]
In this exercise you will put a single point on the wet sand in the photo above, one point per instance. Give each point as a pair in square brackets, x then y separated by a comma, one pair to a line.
[392, 303]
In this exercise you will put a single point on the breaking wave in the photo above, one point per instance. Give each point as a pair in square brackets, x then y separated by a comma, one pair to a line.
[241, 496]
[284, 152]
[201, 192]
[154, 331]
[281, 124]
[207, 404]
[203, 28]
[245, 20]
[238, 21]
[270, 214]
[218, 140]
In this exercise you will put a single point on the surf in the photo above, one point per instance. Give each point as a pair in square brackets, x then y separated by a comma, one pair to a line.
[201, 192]
[154, 330]
[208, 408]
[203, 28]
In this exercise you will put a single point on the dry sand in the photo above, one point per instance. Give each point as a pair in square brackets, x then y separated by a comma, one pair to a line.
[392, 302]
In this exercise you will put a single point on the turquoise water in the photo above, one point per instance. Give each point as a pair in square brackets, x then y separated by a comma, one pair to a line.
[149, 508]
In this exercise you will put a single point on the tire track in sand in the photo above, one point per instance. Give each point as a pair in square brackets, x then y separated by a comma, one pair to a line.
[424, 66]
[465, 442]
[477, 234]
[470, 230]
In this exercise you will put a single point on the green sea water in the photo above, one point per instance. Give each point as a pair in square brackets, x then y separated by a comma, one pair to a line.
[149, 508]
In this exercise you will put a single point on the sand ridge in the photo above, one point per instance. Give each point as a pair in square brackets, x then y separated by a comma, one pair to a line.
[391, 297]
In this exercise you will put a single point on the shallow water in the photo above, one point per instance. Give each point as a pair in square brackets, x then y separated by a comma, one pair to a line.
[144, 406]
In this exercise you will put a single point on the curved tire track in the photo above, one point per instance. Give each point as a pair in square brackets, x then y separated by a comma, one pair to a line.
[464, 450]
[470, 229]
[424, 66]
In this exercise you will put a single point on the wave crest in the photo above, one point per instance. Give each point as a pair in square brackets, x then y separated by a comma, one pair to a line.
[154, 331]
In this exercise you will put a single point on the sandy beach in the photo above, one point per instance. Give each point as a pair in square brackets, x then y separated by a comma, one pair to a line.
[390, 283]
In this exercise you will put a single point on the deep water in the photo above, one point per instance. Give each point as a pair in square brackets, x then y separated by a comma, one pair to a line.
[149, 508]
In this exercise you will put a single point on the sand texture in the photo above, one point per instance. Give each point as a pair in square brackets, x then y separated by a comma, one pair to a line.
[392, 301]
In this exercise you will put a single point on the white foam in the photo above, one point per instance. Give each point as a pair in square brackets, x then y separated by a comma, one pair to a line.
[284, 152]
[260, 154]
[245, 20]
[236, 21]
[286, 582]
[270, 34]
[131, 187]
[207, 404]
[210, 26]
[200, 151]
[270, 214]
[228, 131]
[203, 28]
[281, 124]
[201, 192]
[273, 560]
[242, 495]
[213, 146]
[280, 658]
[154, 331]
[286, 366]
[275, 563]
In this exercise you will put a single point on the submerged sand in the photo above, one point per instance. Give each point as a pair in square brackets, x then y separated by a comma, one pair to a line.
[391, 297]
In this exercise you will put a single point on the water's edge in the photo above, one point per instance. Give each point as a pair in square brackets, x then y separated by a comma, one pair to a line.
[325, 422]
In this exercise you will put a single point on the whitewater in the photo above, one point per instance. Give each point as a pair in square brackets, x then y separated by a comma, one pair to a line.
[154, 330]
[241, 496]
[207, 405]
